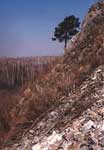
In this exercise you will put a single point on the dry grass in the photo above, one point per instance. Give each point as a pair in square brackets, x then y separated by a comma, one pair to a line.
[52, 87]
[57, 80]
[23, 72]
[8, 100]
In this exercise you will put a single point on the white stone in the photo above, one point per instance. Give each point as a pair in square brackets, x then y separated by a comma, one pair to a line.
[48, 142]
[53, 113]
[54, 138]
[88, 126]
[36, 147]
[101, 126]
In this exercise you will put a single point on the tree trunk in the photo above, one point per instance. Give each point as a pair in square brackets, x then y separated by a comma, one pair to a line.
[65, 43]
[65, 46]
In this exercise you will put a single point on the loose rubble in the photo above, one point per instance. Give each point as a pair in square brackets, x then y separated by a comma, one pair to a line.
[62, 130]
[83, 134]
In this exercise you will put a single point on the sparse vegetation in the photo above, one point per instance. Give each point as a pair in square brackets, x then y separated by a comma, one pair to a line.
[54, 83]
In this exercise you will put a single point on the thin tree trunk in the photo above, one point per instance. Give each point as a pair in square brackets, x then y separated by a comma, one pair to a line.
[65, 43]
[65, 46]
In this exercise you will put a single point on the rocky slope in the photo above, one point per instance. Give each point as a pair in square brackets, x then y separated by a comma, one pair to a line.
[68, 126]
[88, 45]
[76, 122]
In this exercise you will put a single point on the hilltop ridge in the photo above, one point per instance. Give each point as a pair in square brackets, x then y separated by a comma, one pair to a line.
[88, 43]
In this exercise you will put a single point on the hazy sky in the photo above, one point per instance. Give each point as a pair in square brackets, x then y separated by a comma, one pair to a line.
[26, 26]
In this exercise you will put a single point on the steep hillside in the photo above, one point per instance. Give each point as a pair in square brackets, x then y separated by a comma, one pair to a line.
[64, 108]
[77, 123]
[88, 45]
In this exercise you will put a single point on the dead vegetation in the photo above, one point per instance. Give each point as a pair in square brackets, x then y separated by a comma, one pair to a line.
[15, 76]
[61, 77]
[14, 72]
[32, 99]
